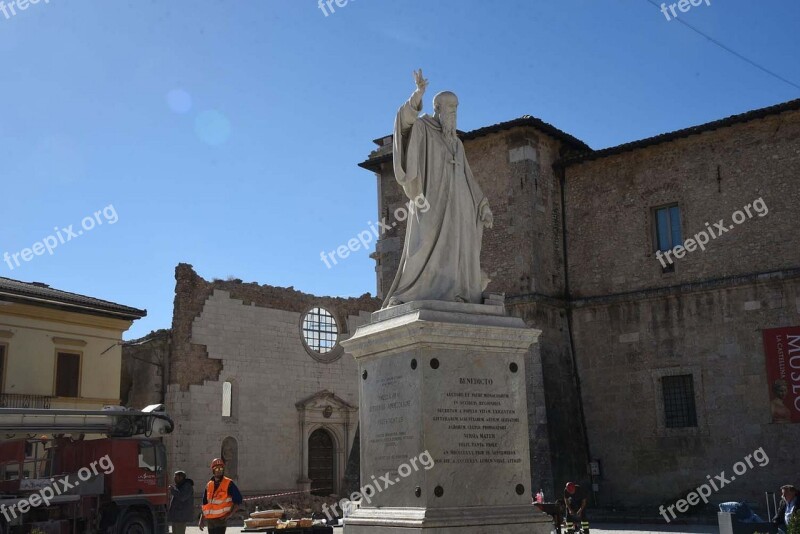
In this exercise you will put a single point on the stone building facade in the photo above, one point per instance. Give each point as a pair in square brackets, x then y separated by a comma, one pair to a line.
[243, 383]
[573, 248]
[635, 323]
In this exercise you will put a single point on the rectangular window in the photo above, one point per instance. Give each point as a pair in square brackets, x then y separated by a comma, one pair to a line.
[679, 408]
[68, 374]
[153, 458]
[38, 460]
[11, 471]
[147, 456]
[668, 228]
[227, 397]
[668, 231]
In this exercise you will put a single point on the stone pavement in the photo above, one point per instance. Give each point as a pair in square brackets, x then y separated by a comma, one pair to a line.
[609, 528]
[605, 528]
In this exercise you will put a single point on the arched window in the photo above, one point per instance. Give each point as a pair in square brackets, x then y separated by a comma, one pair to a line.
[230, 455]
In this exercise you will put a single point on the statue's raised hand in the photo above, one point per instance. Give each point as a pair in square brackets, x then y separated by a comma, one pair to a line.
[421, 82]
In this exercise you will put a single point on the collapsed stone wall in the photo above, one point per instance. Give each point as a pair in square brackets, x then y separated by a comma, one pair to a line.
[247, 337]
[190, 364]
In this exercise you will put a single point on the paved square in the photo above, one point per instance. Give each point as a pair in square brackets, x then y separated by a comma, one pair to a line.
[601, 529]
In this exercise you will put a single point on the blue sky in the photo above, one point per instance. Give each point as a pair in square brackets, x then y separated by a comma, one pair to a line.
[226, 134]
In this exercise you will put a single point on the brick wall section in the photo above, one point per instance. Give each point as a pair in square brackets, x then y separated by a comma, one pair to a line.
[610, 202]
[522, 253]
[625, 344]
[558, 452]
[633, 323]
[144, 361]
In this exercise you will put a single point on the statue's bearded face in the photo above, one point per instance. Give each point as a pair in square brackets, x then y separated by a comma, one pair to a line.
[445, 105]
[447, 118]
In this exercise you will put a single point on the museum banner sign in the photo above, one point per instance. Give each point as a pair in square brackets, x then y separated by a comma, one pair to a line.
[782, 354]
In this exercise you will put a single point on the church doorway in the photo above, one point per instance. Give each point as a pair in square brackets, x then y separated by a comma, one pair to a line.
[320, 462]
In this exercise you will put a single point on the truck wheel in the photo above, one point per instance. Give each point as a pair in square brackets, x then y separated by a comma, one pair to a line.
[135, 523]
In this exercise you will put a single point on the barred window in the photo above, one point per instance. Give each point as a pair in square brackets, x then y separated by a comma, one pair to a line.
[679, 408]
[320, 331]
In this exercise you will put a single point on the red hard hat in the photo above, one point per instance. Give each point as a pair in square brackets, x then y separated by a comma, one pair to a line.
[570, 487]
[217, 461]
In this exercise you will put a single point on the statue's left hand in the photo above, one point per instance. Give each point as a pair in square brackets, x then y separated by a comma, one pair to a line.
[486, 216]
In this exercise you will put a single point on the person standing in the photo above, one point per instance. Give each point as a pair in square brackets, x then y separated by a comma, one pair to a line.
[575, 501]
[180, 512]
[788, 508]
[220, 500]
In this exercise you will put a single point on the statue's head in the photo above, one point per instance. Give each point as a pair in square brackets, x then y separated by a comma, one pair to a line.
[445, 105]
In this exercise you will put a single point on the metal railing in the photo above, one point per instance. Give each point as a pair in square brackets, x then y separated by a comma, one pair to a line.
[15, 400]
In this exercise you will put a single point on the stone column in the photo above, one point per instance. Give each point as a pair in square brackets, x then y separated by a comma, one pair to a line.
[443, 418]
[303, 482]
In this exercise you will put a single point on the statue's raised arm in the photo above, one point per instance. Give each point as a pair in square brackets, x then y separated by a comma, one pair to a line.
[406, 117]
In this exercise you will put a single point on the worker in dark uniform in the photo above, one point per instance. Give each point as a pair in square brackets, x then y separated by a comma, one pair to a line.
[181, 506]
[576, 500]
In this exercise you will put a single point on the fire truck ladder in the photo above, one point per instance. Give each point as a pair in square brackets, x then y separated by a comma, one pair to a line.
[115, 423]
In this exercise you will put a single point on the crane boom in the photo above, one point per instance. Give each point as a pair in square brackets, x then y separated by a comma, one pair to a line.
[115, 423]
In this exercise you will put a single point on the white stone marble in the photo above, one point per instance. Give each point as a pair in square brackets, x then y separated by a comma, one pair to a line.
[447, 380]
[441, 253]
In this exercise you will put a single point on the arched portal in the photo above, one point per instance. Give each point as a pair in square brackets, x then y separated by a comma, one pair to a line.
[321, 469]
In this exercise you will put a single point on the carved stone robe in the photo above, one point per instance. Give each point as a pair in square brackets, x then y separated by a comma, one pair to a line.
[441, 253]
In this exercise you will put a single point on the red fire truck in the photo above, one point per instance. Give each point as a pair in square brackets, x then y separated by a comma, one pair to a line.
[56, 479]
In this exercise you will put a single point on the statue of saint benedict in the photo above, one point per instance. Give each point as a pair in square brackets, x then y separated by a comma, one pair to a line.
[441, 253]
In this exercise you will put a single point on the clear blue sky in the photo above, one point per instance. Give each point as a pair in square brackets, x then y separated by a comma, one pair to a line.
[226, 134]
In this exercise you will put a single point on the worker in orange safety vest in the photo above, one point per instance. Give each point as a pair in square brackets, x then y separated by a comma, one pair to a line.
[220, 500]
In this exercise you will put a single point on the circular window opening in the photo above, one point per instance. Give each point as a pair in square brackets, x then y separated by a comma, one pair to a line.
[320, 334]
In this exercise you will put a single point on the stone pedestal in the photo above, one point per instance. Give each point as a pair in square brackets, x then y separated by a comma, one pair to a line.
[443, 415]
